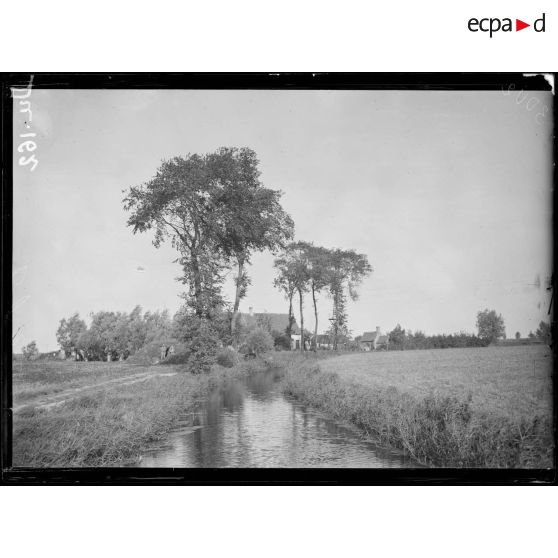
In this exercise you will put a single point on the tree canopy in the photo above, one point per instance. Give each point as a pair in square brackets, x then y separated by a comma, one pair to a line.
[304, 267]
[215, 211]
[490, 325]
[69, 332]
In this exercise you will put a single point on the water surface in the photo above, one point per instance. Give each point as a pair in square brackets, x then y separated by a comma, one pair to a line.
[251, 423]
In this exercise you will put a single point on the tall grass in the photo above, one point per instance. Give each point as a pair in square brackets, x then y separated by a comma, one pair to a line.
[436, 430]
[113, 426]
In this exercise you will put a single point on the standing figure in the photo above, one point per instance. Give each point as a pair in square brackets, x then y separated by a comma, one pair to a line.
[163, 353]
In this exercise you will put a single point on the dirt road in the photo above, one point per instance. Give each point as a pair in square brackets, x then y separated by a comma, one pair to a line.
[61, 397]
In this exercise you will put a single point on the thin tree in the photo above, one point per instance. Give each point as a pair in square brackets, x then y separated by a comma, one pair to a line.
[294, 277]
[317, 261]
[347, 270]
[285, 282]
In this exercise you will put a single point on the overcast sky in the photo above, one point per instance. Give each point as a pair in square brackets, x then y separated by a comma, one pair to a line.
[447, 193]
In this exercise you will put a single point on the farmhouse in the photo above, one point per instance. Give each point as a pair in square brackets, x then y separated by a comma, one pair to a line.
[274, 323]
[374, 340]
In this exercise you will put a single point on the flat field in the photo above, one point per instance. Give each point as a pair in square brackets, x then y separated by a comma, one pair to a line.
[508, 381]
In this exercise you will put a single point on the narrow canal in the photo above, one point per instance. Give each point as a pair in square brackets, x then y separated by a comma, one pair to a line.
[251, 423]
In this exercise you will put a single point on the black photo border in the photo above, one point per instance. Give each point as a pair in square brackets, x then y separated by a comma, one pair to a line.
[532, 81]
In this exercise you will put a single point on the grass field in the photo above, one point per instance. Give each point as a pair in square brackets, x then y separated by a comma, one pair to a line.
[486, 407]
[513, 381]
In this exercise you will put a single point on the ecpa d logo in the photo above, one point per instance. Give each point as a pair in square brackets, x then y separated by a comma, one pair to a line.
[492, 25]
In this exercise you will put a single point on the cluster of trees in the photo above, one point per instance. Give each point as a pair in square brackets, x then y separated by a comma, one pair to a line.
[490, 326]
[113, 334]
[399, 339]
[543, 333]
[216, 213]
[303, 268]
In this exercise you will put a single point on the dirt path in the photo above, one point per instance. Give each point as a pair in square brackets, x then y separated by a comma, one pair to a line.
[49, 401]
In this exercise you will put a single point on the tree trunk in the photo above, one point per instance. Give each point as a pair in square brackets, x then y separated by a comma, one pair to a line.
[198, 294]
[238, 283]
[335, 324]
[291, 317]
[301, 322]
[315, 318]
[237, 294]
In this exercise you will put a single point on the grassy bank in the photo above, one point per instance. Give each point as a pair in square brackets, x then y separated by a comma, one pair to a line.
[436, 429]
[112, 426]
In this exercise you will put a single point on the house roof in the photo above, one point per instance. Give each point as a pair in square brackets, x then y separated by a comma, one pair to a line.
[271, 321]
[368, 336]
[383, 339]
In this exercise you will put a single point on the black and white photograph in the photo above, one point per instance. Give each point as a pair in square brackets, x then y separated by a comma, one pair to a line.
[288, 278]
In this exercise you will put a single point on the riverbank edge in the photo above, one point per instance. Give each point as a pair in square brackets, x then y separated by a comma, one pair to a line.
[435, 430]
[112, 428]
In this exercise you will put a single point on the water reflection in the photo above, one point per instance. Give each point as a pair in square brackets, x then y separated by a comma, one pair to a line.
[250, 423]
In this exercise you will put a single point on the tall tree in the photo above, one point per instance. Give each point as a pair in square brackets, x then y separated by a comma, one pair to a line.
[294, 278]
[285, 281]
[252, 219]
[215, 211]
[490, 325]
[347, 270]
[179, 203]
[318, 270]
[104, 334]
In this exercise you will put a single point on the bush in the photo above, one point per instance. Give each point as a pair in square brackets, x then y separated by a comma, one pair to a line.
[282, 342]
[227, 357]
[30, 351]
[259, 341]
[150, 353]
[203, 349]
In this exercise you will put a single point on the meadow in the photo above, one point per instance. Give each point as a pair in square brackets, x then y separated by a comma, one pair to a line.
[478, 407]
[513, 381]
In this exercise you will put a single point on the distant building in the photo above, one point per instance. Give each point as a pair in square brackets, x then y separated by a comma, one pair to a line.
[272, 322]
[374, 340]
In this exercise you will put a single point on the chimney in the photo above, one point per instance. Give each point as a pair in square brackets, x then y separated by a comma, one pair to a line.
[378, 330]
[251, 311]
